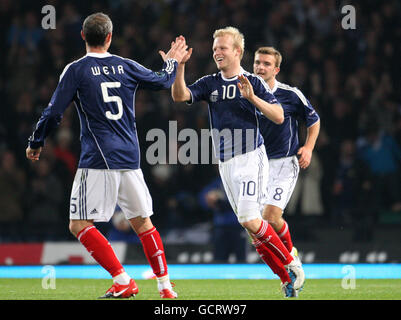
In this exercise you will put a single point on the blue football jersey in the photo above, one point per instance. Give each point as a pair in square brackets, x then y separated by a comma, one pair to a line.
[282, 140]
[234, 121]
[103, 87]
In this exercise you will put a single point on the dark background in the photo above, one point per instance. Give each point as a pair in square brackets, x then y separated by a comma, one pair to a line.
[351, 191]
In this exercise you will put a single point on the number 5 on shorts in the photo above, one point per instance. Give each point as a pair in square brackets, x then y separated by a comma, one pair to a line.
[73, 206]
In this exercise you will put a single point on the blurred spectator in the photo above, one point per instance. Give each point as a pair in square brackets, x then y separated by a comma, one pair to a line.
[25, 32]
[229, 237]
[12, 189]
[354, 202]
[341, 125]
[21, 124]
[382, 156]
[63, 152]
[397, 128]
[344, 191]
[163, 196]
[120, 229]
[43, 202]
[307, 195]
[58, 166]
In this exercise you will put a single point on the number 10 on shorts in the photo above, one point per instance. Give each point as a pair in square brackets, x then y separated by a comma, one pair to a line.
[248, 188]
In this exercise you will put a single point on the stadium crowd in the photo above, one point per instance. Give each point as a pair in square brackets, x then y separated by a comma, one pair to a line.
[351, 77]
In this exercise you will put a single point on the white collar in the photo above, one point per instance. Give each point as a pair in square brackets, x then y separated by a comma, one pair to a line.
[275, 85]
[241, 71]
[98, 55]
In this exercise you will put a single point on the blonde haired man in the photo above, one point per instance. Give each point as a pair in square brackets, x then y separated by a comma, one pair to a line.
[237, 36]
[236, 98]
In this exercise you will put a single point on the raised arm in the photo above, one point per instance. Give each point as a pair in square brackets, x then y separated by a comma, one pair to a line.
[274, 112]
[178, 50]
[164, 78]
[179, 90]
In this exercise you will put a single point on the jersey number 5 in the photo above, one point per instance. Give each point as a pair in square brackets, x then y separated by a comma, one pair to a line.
[104, 86]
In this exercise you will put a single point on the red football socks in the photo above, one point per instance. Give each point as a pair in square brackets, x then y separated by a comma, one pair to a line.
[272, 261]
[285, 236]
[100, 249]
[154, 251]
[270, 239]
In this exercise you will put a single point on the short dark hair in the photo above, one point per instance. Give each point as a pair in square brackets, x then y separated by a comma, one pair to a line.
[271, 51]
[95, 29]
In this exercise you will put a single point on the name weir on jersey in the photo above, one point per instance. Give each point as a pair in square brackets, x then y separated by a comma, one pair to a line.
[96, 71]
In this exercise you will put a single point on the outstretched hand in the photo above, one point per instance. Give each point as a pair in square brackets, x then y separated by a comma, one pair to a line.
[245, 87]
[178, 51]
[187, 56]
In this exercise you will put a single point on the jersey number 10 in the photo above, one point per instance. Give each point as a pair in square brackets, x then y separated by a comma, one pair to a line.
[229, 91]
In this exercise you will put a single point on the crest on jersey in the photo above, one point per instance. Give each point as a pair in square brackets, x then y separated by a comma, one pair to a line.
[160, 74]
[214, 96]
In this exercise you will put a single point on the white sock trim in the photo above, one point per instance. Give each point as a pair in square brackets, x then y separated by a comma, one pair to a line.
[263, 229]
[123, 278]
[164, 283]
[284, 231]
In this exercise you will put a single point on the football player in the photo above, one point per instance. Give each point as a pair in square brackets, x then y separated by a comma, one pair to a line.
[235, 98]
[283, 150]
[102, 87]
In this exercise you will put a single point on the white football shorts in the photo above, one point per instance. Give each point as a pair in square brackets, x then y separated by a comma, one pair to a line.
[283, 175]
[95, 194]
[244, 179]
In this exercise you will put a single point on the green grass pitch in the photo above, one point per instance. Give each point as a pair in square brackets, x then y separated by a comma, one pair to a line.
[315, 289]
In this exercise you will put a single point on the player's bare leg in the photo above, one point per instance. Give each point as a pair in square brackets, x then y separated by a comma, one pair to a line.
[78, 225]
[274, 216]
[154, 252]
[140, 225]
[100, 249]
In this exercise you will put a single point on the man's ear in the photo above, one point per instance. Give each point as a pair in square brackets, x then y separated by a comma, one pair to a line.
[108, 37]
[238, 51]
[82, 35]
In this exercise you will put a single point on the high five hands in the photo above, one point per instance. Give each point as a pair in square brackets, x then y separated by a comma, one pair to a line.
[178, 51]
